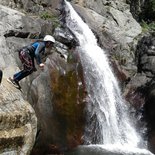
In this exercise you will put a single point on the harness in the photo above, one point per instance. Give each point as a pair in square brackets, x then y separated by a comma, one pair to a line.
[26, 59]
[28, 53]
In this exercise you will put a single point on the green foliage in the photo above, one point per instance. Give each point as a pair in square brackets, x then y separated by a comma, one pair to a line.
[148, 27]
[56, 23]
[48, 16]
[120, 58]
[152, 5]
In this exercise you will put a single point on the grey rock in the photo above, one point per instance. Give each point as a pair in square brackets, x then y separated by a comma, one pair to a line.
[18, 125]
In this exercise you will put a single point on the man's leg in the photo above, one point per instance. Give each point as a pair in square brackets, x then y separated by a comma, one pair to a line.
[17, 77]
[20, 75]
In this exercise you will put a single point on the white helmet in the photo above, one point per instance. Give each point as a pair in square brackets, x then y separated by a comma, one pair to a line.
[49, 38]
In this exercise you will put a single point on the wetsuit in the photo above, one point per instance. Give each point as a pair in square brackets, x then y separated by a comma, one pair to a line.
[27, 55]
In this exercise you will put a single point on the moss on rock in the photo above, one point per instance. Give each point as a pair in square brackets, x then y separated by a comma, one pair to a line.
[68, 105]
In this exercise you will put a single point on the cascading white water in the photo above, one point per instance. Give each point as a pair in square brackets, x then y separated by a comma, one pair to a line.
[108, 117]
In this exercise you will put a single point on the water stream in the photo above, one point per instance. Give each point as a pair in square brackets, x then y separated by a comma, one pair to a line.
[108, 120]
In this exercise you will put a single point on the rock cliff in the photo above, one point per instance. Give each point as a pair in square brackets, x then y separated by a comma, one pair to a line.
[57, 94]
[18, 125]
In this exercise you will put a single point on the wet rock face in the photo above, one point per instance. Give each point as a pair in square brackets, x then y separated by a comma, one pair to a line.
[149, 105]
[149, 113]
[57, 95]
[145, 55]
[145, 59]
[69, 106]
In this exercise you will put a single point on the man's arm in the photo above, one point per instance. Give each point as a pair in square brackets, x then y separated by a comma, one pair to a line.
[39, 49]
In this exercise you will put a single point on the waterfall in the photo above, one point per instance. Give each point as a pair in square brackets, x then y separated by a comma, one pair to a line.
[108, 120]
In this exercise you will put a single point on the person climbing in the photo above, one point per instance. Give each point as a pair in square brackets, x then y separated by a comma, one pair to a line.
[1, 75]
[27, 55]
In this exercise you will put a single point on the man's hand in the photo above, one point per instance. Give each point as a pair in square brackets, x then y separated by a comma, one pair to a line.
[41, 66]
